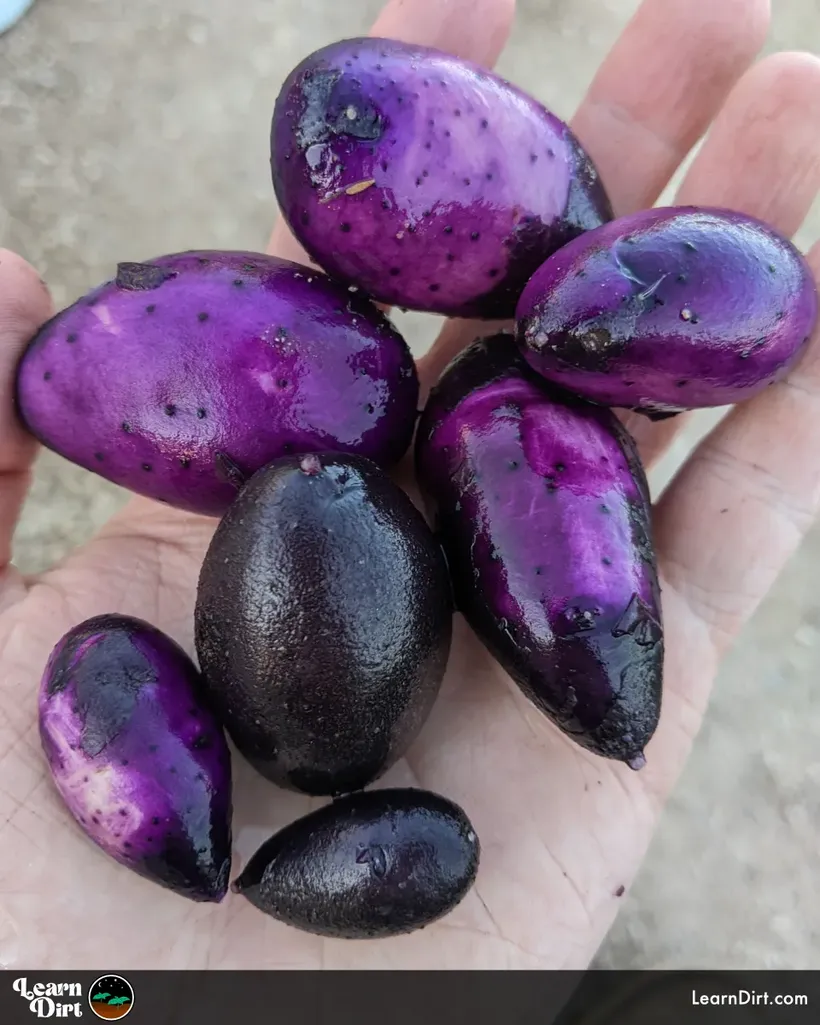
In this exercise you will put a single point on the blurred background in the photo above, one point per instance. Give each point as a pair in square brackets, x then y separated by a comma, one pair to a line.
[128, 130]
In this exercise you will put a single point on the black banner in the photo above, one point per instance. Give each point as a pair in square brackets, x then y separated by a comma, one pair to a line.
[408, 998]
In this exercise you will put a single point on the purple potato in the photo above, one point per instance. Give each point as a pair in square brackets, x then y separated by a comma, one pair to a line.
[139, 761]
[543, 511]
[323, 622]
[370, 865]
[185, 375]
[669, 309]
[425, 180]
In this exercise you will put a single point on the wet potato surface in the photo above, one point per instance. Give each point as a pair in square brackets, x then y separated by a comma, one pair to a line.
[323, 622]
[430, 183]
[370, 865]
[543, 511]
[669, 309]
[185, 375]
[139, 760]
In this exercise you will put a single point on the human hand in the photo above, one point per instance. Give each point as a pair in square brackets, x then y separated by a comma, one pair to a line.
[563, 832]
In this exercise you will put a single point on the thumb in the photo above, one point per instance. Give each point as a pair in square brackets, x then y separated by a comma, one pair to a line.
[25, 304]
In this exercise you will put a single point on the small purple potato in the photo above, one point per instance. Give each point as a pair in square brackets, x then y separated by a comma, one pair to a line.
[373, 864]
[669, 309]
[424, 179]
[140, 762]
[543, 511]
[185, 375]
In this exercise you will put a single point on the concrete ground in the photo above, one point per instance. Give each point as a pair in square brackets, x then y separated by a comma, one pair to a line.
[129, 130]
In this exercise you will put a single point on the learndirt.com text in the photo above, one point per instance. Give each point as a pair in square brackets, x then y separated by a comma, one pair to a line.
[751, 998]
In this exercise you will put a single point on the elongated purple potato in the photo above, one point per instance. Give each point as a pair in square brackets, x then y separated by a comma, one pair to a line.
[669, 309]
[185, 375]
[426, 180]
[543, 511]
[140, 762]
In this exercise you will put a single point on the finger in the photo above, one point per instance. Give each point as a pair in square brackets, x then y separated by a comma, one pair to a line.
[24, 305]
[742, 503]
[654, 96]
[769, 131]
[660, 87]
[762, 157]
[475, 30]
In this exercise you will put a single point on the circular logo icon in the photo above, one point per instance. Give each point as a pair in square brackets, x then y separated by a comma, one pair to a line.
[111, 997]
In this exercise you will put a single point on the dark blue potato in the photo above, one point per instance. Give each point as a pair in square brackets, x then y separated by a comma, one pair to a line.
[140, 762]
[426, 180]
[370, 865]
[669, 309]
[323, 622]
[543, 510]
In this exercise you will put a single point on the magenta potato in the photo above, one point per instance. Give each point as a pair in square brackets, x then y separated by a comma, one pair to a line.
[369, 865]
[185, 375]
[427, 181]
[543, 511]
[138, 759]
[323, 622]
[669, 309]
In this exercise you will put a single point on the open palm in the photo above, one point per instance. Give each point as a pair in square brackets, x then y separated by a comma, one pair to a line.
[563, 832]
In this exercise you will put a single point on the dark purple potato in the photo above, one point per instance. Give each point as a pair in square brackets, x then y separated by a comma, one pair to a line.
[367, 866]
[323, 622]
[426, 180]
[543, 511]
[187, 374]
[669, 309]
[140, 762]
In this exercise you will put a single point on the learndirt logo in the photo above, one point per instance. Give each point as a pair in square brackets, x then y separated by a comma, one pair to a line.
[110, 997]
